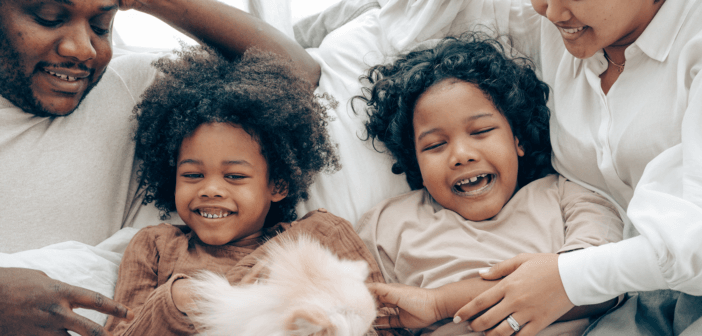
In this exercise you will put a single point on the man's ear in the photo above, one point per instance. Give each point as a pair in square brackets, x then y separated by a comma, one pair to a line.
[279, 191]
[520, 149]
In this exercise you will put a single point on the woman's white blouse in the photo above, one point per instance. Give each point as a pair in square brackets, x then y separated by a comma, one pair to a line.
[640, 144]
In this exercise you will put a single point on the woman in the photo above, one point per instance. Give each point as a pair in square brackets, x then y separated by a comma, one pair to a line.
[627, 111]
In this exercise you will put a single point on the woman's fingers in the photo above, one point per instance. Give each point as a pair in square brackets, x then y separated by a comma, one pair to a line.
[533, 292]
[505, 268]
[481, 303]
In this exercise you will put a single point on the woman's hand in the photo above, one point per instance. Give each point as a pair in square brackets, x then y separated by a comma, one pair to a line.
[532, 292]
[417, 306]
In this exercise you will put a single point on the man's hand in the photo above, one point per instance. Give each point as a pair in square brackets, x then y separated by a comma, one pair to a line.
[132, 4]
[31, 303]
[417, 306]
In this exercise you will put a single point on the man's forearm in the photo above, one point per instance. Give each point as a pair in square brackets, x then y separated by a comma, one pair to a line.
[231, 31]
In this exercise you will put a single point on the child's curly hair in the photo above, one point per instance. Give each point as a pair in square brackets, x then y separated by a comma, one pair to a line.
[258, 92]
[510, 83]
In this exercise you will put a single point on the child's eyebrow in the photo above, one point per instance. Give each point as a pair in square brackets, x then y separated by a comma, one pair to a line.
[237, 162]
[192, 161]
[225, 163]
[469, 119]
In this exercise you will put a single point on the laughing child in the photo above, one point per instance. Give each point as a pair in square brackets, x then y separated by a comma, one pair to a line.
[232, 146]
[468, 126]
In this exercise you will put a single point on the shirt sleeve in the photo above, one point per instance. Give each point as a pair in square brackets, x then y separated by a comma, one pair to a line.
[666, 210]
[590, 219]
[137, 288]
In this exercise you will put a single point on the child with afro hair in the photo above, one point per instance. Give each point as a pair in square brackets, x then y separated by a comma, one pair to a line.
[232, 146]
[468, 126]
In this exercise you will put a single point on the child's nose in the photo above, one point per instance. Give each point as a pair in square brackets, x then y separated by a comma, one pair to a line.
[212, 188]
[462, 153]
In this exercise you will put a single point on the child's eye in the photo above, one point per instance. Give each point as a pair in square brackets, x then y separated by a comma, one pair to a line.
[483, 131]
[235, 177]
[192, 175]
[432, 146]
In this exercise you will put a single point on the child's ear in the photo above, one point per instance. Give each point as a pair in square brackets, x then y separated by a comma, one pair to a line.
[520, 149]
[279, 191]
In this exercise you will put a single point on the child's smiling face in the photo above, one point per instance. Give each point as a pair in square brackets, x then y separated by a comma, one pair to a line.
[465, 148]
[222, 188]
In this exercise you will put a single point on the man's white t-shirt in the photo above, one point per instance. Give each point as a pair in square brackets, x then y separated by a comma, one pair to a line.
[73, 177]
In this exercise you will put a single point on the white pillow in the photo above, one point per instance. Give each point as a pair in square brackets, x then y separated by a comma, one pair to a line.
[365, 178]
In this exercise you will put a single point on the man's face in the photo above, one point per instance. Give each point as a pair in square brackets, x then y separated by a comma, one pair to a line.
[52, 52]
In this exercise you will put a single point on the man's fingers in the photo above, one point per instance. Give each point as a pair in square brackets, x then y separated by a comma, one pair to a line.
[84, 326]
[504, 268]
[85, 298]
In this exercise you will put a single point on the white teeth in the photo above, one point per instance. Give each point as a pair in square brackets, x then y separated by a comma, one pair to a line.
[64, 77]
[572, 30]
[471, 179]
[214, 216]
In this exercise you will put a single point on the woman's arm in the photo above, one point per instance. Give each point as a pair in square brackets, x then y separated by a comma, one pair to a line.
[228, 29]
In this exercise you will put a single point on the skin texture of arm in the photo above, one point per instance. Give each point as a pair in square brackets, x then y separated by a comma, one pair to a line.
[228, 29]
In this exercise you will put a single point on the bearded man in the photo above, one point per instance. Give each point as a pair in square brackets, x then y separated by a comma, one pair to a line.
[66, 148]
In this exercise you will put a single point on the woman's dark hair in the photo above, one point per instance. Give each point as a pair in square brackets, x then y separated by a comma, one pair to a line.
[258, 92]
[510, 84]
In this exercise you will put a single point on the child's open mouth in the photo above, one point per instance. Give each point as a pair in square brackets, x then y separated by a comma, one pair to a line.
[474, 186]
[213, 213]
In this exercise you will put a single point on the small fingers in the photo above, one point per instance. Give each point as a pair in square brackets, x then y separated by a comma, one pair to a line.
[256, 272]
[388, 322]
[384, 295]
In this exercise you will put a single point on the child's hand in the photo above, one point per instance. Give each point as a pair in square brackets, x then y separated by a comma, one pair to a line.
[417, 306]
[180, 291]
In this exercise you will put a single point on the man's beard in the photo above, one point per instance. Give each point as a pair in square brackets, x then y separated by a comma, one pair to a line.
[16, 87]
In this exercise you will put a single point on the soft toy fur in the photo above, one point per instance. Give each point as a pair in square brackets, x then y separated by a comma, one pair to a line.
[308, 291]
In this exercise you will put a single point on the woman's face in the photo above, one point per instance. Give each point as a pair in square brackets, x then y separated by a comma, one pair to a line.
[590, 25]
